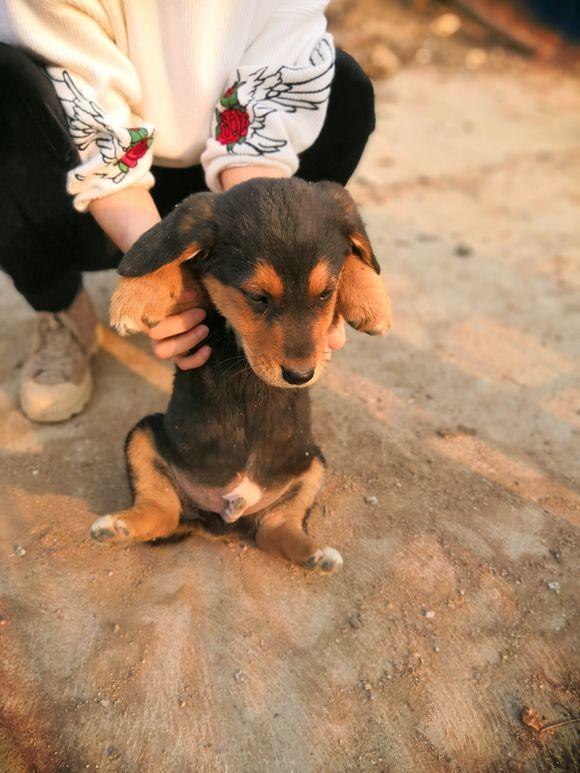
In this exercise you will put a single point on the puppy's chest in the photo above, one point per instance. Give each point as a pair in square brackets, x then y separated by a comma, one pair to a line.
[230, 445]
[235, 452]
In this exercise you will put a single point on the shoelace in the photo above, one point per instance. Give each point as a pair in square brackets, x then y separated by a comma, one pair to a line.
[57, 339]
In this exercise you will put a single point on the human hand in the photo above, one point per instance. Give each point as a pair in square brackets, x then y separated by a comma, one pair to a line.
[179, 333]
[336, 335]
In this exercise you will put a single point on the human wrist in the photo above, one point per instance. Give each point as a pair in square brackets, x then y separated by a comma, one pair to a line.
[233, 175]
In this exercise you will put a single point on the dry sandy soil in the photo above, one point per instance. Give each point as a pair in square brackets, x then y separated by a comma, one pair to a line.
[456, 604]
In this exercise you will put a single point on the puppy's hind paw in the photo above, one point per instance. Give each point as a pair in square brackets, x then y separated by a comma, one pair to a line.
[109, 528]
[325, 559]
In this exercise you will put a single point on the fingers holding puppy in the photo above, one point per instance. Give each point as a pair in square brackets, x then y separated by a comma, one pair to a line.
[173, 346]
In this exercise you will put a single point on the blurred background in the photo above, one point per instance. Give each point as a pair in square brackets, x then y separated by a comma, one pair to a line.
[385, 35]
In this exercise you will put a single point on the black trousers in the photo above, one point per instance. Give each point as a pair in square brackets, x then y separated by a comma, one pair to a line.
[45, 244]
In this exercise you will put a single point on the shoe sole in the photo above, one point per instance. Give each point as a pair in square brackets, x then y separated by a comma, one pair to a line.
[62, 411]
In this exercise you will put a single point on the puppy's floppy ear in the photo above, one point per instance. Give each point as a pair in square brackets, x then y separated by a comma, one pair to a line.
[351, 223]
[153, 270]
[362, 296]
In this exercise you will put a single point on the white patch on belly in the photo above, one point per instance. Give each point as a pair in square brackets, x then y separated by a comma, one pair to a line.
[245, 494]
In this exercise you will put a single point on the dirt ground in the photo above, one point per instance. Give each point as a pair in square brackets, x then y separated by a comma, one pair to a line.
[453, 495]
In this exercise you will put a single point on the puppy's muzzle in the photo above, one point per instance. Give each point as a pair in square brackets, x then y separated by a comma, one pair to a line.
[297, 377]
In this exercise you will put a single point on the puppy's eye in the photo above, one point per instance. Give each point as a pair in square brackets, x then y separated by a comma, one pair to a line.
[326, 294]
[258, 301]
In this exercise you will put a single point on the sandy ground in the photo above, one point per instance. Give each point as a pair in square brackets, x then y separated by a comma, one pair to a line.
[456, 605]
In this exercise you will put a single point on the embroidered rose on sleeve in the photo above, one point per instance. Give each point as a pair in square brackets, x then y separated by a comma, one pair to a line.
[141, 141]
[233, 122]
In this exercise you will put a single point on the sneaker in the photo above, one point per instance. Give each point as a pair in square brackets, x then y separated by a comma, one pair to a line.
[56, 380]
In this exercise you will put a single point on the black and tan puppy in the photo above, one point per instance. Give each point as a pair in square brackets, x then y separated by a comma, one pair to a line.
[274, 262]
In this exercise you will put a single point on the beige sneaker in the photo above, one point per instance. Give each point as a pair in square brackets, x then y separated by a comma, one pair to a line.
[56, 380]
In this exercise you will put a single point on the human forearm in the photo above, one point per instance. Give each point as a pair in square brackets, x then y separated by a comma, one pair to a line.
[125, 215]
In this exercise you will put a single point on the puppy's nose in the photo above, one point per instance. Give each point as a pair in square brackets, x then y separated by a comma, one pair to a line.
[297, 376]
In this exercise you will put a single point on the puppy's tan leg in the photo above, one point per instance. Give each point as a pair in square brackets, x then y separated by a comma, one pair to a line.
[280, 530]
[157, 508]
[362, 298]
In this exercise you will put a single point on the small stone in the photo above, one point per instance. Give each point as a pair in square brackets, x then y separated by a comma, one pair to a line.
[554, 586]
[104, 702]
[238, 675]
[436, 649]
[3, 621]
[429, 614]
[19, 550]
[182, 703]
[355, 620]
[116, 628]
[110, 572]
[463, 250]
[371, 500]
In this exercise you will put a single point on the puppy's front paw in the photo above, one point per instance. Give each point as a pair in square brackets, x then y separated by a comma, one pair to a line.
[110, 528]
[370, 320]
[325, 559]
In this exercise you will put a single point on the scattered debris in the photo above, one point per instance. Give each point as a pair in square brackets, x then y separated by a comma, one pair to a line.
[19, 550]
[475, 58]
[554, 586]
[463, 250]
[531, 717]
[371, 500]
[423, 56]
[460, 429]
[384, 62]
[446, 25]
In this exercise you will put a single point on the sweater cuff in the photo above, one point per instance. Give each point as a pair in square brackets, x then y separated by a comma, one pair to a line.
[83, 198]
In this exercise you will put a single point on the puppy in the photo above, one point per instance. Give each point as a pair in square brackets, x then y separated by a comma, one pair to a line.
[274, 262]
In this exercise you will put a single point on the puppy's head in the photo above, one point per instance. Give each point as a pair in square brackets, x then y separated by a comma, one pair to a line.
[269, 254]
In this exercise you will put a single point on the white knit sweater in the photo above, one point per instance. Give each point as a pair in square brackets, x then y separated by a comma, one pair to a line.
[173, 82]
